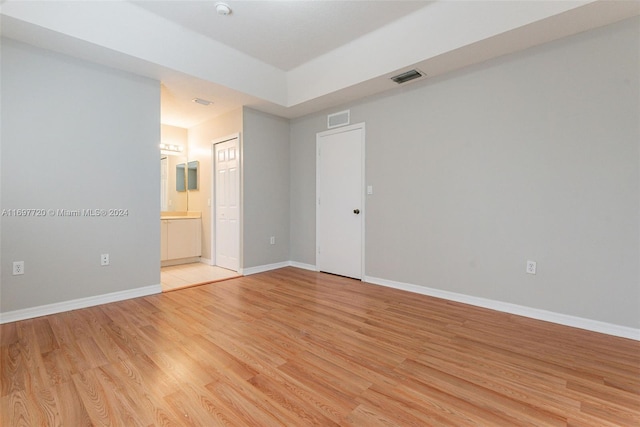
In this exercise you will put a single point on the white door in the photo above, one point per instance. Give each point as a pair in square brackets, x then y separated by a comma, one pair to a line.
[227, 200]
[340, 201]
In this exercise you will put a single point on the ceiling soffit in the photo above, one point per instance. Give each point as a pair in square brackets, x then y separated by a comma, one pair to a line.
[437, 38]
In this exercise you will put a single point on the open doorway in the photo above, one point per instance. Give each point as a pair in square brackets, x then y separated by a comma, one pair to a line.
[185, 215]
[195, 274]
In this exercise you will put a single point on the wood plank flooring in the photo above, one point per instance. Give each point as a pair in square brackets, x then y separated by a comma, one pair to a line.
[294, 348]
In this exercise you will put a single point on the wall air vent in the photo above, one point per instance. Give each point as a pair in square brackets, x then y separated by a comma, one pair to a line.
[407, 76]
[338, 119]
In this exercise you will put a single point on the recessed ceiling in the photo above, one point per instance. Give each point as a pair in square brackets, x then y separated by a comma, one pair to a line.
[292, 58]
[284, 34]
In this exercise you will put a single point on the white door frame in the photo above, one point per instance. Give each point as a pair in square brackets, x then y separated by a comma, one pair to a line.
[164, 183]
[213, 198]
[362, 190]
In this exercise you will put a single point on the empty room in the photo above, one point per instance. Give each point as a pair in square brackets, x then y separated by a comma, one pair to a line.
[355, 213]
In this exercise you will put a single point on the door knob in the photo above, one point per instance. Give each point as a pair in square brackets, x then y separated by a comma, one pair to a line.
[356, 211]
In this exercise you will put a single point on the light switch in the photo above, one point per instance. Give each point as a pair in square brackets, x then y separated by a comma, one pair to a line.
[369, 189]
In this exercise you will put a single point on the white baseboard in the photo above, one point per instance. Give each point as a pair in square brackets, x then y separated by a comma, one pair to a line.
[172, 262]
[206, 261]
[45, 310]
[534, 313]
[262, 268]
[303, 266]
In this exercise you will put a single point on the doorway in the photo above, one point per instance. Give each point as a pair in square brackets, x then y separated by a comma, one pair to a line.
[340, 201]
[225, 218]
[183, 276]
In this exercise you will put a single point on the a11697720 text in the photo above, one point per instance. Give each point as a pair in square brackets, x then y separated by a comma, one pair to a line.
[65, 212]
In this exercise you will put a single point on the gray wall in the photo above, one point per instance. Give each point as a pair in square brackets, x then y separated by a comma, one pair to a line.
[530, 156]
[76, 136]
[265, 143]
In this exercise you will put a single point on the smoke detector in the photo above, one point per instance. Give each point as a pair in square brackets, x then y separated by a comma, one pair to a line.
[223, 9]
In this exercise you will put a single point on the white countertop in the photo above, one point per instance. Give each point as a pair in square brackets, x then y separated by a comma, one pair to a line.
[180, 215]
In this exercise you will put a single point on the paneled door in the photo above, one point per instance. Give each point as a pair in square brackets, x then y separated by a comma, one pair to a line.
[227, 200]
[340, 201]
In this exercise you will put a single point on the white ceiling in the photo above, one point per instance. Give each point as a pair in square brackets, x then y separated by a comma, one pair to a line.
[285, 34]
[292, 58]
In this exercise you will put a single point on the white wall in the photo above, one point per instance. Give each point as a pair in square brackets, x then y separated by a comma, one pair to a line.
[76, 136]
[531, 156]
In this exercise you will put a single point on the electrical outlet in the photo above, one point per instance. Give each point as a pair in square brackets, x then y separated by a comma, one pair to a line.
[104, 259]
[531, 267]
[18, 268]
[272, 240]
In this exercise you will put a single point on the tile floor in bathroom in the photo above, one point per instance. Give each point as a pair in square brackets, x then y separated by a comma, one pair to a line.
[186, 275]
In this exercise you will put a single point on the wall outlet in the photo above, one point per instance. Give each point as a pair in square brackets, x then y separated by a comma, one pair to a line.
[18, 268]
[272, 240]
[104, 259]
[531, 267]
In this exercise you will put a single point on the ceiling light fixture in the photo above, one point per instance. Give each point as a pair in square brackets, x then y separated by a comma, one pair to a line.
[171, 148]
[223, 9]
[202, 101]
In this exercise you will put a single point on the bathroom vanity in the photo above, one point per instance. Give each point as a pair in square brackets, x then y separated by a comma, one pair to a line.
[180, 237]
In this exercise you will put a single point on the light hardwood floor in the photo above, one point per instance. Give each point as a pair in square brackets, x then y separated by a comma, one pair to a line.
[294, 348]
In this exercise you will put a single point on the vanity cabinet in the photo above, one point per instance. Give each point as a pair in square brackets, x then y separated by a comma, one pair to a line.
[164, 240]
[180, 238]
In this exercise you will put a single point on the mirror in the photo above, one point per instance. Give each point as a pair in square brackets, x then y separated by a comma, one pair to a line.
[187, 176]
[171, 199]
[180, 177]
[192, 175]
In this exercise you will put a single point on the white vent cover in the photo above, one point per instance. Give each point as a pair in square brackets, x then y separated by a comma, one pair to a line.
[338, 119]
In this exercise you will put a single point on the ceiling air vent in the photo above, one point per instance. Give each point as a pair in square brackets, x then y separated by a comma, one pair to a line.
[407, 76]
[202, 101]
